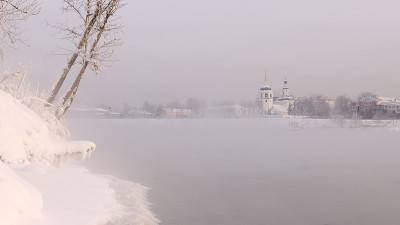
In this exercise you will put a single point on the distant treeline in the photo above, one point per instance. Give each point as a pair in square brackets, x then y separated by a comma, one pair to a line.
[366, 106]
[197, 107]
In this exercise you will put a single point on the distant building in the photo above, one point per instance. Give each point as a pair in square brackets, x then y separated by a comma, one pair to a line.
[280, 104]
[388, 105]
[228, 111]
[286, 91]
[329, 102]
[266, 98]
[176, 113]
[281, 110]
[91, 113]
[140, 114]
[286, 100]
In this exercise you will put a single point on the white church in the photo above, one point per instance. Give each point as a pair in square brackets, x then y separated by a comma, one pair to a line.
[266, 98]
[271, 105]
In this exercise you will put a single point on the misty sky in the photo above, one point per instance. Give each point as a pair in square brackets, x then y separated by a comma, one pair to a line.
[219, 49]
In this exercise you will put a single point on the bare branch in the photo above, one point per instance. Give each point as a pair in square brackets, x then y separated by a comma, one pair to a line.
[82, 42]
[102, 39]
[22, 6]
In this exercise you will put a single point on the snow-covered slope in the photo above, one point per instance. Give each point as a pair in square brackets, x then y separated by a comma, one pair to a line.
[19, 200]
[34, 192]
[72, 195]
[24, 137]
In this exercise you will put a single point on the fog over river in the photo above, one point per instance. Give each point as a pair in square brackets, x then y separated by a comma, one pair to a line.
[252, 171]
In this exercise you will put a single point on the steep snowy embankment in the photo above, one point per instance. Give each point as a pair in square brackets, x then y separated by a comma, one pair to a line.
[25, 138]
[34, 192]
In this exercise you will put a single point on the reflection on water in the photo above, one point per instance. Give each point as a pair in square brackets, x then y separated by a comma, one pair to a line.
[252, 171]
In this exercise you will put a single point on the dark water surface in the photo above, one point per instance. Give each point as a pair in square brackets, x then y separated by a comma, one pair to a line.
[252, 171]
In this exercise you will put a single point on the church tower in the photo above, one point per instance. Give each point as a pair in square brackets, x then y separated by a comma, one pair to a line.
[266, 97]
[286, 92]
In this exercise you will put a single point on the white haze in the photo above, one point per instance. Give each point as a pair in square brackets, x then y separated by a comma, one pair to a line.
[220, 49]
[240, 171]
[253, 171]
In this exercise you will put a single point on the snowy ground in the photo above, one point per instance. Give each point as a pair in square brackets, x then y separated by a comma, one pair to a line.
[72, 195]
[39, 187]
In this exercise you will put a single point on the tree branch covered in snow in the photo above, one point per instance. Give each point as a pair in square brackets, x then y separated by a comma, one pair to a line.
[12, 12]
[15, 83]
[34, 134]
[78, 34]
[93, 39]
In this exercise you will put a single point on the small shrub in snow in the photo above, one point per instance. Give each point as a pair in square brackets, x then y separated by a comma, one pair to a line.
[15, 83]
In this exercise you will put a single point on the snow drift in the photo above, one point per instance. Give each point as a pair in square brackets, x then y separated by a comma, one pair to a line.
[34, 192]
[24, 137]
[72, 195]
[19, 199]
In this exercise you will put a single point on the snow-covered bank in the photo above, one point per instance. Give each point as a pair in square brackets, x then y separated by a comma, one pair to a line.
[72, 195]
[44, 195]
[34, 191]
[25, 137]
[20, 201]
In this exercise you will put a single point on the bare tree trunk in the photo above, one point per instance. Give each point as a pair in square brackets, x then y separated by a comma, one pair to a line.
[67, 101]
[72, 60]
[70, 95]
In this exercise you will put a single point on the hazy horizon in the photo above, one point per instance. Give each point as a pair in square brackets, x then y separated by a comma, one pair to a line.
[285, 161]
[217, 50]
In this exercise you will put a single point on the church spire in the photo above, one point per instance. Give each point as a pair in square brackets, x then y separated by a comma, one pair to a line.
[286, 92]
[266, 81]
[266, 97]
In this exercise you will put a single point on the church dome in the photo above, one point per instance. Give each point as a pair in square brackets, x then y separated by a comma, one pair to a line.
[265, 88]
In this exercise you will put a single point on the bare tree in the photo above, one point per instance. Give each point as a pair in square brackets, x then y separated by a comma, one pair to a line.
[149, 107]
[174, 105]
[367, 103]
[322, 108]
[197, 106]
[159, 110]
[343, 106]
[315, 106]
[94, 40]
[127, 108]
[89, 13]
[12, 12]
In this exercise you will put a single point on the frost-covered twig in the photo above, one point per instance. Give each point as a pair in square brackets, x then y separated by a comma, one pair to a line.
[15, 83]
[12, 12]
[96, 42]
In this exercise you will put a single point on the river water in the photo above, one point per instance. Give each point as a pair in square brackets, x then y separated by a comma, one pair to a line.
[252, 171]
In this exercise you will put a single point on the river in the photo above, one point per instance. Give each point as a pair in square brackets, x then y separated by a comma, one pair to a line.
[252, 171]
